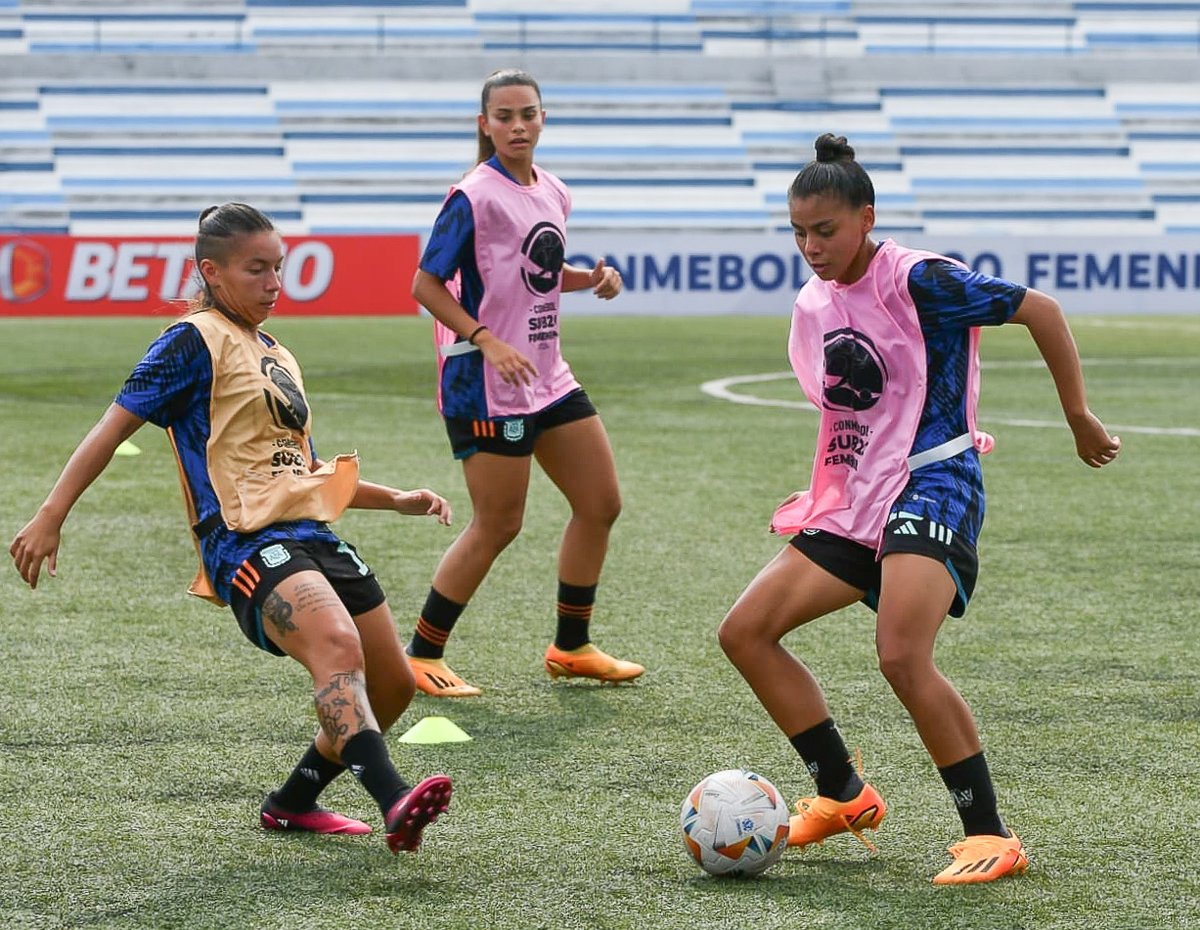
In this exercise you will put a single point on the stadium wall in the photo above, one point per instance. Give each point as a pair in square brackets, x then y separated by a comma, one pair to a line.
[687, 273]
[45, 276]
[760, 274]
[665, 274]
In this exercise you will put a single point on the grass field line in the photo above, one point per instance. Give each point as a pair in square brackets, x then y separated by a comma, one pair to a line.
[1102, 323]
[1166, 361]
[721, 388]
[342, 397]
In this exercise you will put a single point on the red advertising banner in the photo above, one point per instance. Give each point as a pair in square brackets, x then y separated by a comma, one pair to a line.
[134, 276]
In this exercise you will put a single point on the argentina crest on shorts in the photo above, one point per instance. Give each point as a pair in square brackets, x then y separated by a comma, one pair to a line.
[274, 555]
[514, 430]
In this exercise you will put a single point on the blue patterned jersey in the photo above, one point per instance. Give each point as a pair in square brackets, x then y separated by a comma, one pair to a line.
[171, 387]
[449, 251]
[950, 300]
[451, 245]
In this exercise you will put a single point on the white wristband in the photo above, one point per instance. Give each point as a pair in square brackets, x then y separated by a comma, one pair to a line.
[457, 348]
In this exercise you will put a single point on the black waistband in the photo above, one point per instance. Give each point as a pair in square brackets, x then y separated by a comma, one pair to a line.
[207, 525]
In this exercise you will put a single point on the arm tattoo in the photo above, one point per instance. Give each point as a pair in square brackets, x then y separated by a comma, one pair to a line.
[342, 706]
[279, 612]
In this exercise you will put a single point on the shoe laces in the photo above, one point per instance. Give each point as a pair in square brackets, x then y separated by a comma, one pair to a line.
[822, 808]
[817, 807]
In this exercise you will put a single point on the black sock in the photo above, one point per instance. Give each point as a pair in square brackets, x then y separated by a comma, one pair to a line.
[824, 753]
[309, 778]
[366, 756]
[437, 619]
[970, 785]
[574, 615]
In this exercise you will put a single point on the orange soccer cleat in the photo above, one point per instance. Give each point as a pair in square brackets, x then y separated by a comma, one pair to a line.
[436, 678]
[983, 859]
[589, 662]
[817, 819]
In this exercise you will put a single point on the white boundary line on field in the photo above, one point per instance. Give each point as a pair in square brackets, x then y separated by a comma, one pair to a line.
[1101, 322]
[721, 388]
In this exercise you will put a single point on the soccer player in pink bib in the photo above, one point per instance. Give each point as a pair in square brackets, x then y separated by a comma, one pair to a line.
[491, 276]
[884, 343]
[258, 499]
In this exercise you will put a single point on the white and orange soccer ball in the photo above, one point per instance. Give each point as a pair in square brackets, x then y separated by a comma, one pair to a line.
[735, 823]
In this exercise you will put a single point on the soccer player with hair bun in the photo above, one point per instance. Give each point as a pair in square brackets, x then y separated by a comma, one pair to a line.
[491, 276]
[232, 401]
[884, 343]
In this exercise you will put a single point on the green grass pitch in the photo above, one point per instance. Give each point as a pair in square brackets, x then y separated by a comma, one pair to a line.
[140, 730]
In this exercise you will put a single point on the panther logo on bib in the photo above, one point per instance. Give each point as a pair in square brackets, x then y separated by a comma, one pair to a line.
[855, 375]
[288, 407]
[542, 256]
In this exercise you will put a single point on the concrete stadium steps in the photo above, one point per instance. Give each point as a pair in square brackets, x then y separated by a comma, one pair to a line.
[416, 28]
[380, 154]
[838, 28]
[246, 28]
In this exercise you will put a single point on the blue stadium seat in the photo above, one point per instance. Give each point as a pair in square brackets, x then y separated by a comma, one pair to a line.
[638, 155]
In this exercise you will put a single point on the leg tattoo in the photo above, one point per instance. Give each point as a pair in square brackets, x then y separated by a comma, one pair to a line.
[279, 612]
[341, 706]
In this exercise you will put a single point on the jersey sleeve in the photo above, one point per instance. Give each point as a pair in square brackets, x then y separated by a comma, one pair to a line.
[163, 383]
[453, 234]
[949, 296]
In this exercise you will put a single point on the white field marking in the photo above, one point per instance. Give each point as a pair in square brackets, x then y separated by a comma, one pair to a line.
[1101, 323]
[721, 389]
[1165, 361]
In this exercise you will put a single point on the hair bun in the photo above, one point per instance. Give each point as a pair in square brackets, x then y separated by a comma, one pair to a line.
[833, 148]
[207, 212]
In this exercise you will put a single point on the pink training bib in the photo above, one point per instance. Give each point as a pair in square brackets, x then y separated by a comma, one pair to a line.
[859, 355]
[520, 244]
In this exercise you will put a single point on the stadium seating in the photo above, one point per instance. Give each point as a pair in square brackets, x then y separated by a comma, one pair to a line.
[378, 154]
[714, 27]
